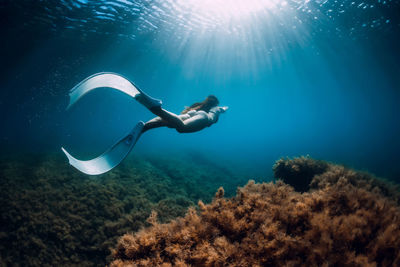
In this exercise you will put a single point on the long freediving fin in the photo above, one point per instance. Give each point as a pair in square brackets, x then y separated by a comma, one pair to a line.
[109, 159]
[114, 81]
[114, 155]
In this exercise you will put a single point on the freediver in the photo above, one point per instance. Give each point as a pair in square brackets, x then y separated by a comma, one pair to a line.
[192, 119]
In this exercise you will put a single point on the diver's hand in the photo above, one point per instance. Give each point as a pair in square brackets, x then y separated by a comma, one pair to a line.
[225, 108]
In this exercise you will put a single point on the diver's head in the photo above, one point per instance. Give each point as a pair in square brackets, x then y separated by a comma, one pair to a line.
[207, 104]
[210, 102]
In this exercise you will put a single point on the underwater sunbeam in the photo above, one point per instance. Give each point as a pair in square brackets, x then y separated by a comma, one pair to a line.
[227, 10]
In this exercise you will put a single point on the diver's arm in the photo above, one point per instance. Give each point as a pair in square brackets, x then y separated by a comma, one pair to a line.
[213, 114]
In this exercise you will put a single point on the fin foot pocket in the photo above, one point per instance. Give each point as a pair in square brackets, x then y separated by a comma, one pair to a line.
[148, 101]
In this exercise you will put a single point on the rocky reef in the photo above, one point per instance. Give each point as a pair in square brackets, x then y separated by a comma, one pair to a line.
[52, 215]
[317, 214]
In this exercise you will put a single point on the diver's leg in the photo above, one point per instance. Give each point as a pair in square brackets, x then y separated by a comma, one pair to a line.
[157, 122]
[182, 123]
[172, 119]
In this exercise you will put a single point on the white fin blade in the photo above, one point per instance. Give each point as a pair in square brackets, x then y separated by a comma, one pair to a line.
[103, 79]
[109, 159]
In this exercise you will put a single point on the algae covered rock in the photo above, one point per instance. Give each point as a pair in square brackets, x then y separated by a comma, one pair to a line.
[346, 219]
[50, 214]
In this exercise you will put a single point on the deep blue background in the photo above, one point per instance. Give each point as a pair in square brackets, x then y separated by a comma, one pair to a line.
[311, 89]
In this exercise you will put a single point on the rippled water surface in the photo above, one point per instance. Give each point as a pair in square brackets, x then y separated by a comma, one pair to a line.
[178, 17]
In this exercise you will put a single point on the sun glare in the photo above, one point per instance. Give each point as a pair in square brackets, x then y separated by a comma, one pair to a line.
[227, 10]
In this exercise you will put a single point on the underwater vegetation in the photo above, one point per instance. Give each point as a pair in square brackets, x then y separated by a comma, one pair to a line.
[339, 217]
[52, 215]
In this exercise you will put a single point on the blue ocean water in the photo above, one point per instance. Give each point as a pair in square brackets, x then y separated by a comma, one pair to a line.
[318, 78]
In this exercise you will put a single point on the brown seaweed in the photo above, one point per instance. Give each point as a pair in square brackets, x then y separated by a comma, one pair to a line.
[347, 218]
[51, 215]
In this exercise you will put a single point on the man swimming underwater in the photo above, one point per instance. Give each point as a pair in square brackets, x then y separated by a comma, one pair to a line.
[192, 119]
